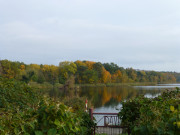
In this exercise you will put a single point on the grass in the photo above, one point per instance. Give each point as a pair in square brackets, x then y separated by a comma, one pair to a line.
[47, 86]
[117, 84]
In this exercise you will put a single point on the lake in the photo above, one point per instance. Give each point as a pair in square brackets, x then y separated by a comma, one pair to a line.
[108, 99]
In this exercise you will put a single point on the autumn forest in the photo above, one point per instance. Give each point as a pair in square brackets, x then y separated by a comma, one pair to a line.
[84, 72]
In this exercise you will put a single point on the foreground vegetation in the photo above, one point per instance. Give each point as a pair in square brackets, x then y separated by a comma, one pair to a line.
[25, 111]
[156, 116]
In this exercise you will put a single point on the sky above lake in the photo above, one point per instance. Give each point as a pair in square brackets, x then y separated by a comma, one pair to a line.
[131, 33]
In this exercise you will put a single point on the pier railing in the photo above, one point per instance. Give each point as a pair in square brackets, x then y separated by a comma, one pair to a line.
[108, 123]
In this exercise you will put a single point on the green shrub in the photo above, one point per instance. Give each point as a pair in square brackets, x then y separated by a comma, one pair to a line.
[78, 106]
[56, 117]
[15, 95]
[158, 116]
[24, 111]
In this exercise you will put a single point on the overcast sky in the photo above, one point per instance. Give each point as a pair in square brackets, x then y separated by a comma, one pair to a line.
[131, 33]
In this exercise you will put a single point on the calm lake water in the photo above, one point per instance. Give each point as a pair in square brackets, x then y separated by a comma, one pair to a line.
[108, 99]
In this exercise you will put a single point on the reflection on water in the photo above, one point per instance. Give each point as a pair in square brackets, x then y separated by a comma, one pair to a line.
[151, 96]
[175, 84]
[108, 99]
[157, 87]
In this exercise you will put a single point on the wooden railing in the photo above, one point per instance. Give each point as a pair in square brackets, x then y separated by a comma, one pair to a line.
[108, 123]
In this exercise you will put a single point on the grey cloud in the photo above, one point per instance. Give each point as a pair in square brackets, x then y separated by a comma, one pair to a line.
[139, 34]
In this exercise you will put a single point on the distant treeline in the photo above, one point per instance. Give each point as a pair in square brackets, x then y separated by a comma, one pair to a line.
[84, 72]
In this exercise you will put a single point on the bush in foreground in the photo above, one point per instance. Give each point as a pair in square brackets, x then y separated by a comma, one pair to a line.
[24, 111]
[156, 116]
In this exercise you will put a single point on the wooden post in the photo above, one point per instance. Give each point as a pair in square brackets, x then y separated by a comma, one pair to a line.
[91, 116]
[105, 124]
[91, 113]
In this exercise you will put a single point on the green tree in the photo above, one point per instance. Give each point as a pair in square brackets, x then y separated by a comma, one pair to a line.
[125, 78]
[7, 69]
[41, 78]
[98, 67]
[80, 72]
[111, 67]
[131, 74]
[66, 69]
[141, 76]
[90, 76]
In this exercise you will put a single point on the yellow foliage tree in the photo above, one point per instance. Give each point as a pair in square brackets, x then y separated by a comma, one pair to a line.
[90, 64]
[80, 63]
[22, 67]
[116, 77]
[106, 76]
[34, 66]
